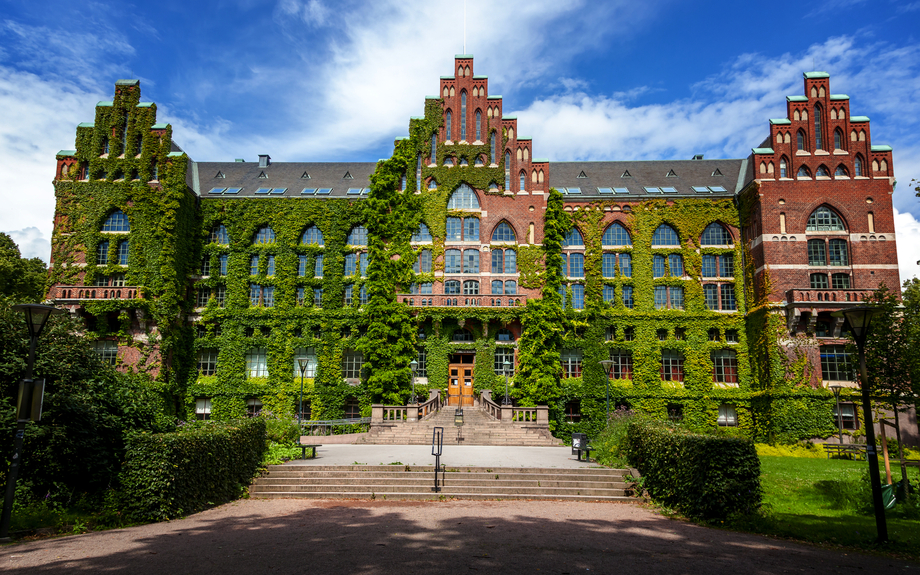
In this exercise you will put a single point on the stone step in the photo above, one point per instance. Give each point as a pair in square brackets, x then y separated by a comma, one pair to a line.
[308, 469]
[432, 496]
[501, 484]
[446, 490]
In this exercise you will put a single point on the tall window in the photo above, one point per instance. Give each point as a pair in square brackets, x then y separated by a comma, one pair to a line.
[838, 139]
[824, 219]
[453, 262]
[503, 354]
[665, 235]
[715, 234]
[422, 234]
[573, 239]
[628, 301]
[609, 265]
[471, 261]
[676, 265]
[418, 173]
[724, 366]
[672, 365]
[507, 171]
[835, 363]
[207, 361]
[817, 255]
[840, 281]
[728, 297]
[422, 262]
[858, 166]
[318, 266]
[102, 253]
[669, 297]
[504, 262]
[462, 229]
[783, 168]
[357, 236]
[837, 252]
[492, 148]
[107, 350]
[573, 265]
[503, 233]
[819, 136]
[312, 235]
[818, 281]
[522, 181]
[351, 364]
[463, 115]
[203, 408]
[308, 354]
[463, 198]
[117, 222]
[256, 362]
[571, 363]
[616, 235]
[800, 140]
[471, 287]
[434, 149]
[478, 126]
[219, 235]
[254, 265]
[578, 296]
[447, 125]
[622, 364]
[728, 416]
[264, 235]
[715, 266]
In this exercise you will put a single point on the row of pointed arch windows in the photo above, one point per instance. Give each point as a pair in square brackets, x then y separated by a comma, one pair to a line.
[804, 172]
[478, 126]
[616, 235]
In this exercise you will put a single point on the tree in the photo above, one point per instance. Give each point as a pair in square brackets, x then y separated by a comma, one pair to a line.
[21, 280]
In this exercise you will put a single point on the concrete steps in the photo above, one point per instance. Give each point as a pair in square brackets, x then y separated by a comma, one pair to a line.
[478, 429]
[417, 483]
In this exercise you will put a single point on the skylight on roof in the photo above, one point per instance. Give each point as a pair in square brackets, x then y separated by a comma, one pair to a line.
[232, 191]
[717, 189]
[574, 190]
[279, 190]
[308, 191]
[621, 190]
[263, 190]
[353, 191]
[701, 189]
[669, 190]
[605, 191]
[650, 190]
[217, 190]
[562, 191]
[323, 191]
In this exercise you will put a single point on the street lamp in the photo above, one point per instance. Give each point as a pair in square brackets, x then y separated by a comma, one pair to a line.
[303, 362]
[506, 367]
[858, 320]
[29, 396]
[836, 389]
[414, 365]
[608, 370]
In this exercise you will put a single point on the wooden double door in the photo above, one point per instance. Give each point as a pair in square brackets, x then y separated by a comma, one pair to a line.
[460, 382]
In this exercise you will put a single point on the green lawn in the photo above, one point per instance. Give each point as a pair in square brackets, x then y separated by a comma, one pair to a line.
[819, 500]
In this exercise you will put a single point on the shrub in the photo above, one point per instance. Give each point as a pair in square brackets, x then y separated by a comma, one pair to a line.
[609, 446]
[167, 475]
[280, 430]
[702, 476]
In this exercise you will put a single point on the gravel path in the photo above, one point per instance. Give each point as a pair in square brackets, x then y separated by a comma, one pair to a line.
[370, 537]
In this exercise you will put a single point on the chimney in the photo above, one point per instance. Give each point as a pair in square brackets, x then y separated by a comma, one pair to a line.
[265, 160]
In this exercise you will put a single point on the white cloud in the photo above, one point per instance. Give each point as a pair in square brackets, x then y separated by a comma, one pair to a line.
[32, 243]
[907, 233]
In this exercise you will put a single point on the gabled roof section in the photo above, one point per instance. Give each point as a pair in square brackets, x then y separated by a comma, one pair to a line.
[325, 176]
[604, 177]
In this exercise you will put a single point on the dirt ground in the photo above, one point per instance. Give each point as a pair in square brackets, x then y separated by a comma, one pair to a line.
[371, 537]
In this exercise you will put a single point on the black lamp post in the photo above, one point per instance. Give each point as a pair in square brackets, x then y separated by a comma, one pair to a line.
[506, 367]
[836, 389]
[858, 320]
[608, 371]
[36, 316]
[303, 363]
[414, 365]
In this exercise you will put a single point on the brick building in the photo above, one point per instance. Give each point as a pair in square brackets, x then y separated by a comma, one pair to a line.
[216, 277]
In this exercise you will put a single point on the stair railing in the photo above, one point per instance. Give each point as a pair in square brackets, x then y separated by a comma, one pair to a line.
[485, 402]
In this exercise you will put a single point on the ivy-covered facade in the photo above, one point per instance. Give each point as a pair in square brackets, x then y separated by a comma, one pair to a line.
[234, 283]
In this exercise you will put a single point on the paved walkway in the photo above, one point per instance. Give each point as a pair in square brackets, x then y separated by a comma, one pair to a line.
[452, 455]
[444, 538]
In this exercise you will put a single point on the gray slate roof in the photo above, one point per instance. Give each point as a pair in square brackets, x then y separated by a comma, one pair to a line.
[687, 173]
[279, 175]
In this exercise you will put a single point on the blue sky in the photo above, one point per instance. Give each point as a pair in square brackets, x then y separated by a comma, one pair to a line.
[311, 80]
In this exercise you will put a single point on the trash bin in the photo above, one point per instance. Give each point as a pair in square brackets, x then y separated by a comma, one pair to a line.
[889, 496]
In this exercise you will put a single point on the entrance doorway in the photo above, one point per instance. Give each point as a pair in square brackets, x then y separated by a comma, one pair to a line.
[460, 383]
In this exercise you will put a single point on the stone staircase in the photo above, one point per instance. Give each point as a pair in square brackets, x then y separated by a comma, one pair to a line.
[479, 428]
[417, 483]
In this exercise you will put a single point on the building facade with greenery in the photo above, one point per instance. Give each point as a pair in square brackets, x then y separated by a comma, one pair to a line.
[464, 253]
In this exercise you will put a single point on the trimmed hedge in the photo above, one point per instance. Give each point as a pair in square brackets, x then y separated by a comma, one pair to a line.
[702, 476]
[168, 475]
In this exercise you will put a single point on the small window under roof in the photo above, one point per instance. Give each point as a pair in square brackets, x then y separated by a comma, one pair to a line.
[701, 189]
[353, 191]
[219, 174]
[232, 191]
[574, 190]
[650, 190]
[582, 174]
[263, 190]
[718, 172]
[605, 191]
[621, 190]
[347, 176]
[669, 190]
[671, 174]
[217, 190]
[717, 189]
[323, 191]
[305, 176]
[262, 176]
[308, 191]
[279, 190]
[626, 174]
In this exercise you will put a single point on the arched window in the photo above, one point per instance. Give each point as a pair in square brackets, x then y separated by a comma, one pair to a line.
[422, 234]
[819, 136]
[264, 235]
[715, 234]
[357, 236]
[219, 235]
[504, 334]
[800, 140]
[508, 170]
[803, 172]
[418, 173]
[463, 198]
[447, 124]
[492, 148]
[478, 126]
[616, 235]
[510, 287]
[822, 172]
[858, 166]
[463, 115]
[841, 171]
[117, 222]
[824, 219]
[123, 253]
[497, 287]
[312, 235]
[503, 233]
[523, 181]
[665, 236]
[783, 170]
[838, 139]
[462, 335]
[434, 149]
[573, 239]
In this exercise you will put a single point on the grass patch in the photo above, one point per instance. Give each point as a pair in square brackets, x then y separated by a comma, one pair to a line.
[829, 502]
